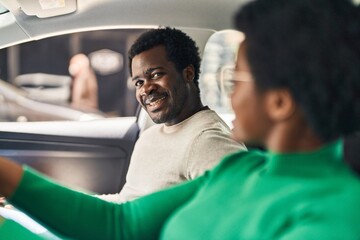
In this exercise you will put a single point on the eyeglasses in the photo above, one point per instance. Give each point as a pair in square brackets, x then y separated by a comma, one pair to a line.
[229, 76]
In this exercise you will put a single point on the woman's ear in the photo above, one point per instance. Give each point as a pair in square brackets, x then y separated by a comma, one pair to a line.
[280, 104]
[189, 73]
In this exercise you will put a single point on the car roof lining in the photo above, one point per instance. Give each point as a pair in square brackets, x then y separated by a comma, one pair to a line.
[91, 15]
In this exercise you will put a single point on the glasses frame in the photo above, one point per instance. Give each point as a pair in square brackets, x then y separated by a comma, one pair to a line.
[247, 78]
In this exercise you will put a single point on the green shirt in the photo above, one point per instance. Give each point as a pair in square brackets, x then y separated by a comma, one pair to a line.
[250, 195]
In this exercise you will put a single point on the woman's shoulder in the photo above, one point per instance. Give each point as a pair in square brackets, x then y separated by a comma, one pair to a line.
[243, 161]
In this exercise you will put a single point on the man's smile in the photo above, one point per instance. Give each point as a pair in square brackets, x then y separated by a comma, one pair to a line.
[153, 103]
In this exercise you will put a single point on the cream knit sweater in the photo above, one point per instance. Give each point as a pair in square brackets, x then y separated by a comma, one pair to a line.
[167, 155]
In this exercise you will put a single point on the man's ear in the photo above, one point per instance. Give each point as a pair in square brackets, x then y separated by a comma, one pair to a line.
[189, 73]
[280, 104]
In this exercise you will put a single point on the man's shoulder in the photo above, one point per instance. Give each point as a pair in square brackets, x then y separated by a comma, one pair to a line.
[213, 138]
[208, 119]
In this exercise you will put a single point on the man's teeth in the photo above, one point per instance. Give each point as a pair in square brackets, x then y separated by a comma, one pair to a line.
[156, 102]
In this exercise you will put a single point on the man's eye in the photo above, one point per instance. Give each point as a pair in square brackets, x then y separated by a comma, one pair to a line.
[139, 83]
[156, 75]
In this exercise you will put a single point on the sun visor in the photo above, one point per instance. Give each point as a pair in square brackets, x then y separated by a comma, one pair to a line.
[47, 8]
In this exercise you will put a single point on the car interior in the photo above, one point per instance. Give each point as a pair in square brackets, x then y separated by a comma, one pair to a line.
[93, 152]
[90, 150]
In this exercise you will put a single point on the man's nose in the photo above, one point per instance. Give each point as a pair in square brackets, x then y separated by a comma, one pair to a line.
[147, 88]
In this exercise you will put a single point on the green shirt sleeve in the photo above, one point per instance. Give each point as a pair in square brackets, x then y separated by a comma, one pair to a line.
[79, 215]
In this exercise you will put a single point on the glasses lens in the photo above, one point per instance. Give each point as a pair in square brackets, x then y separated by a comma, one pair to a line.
[229, 76]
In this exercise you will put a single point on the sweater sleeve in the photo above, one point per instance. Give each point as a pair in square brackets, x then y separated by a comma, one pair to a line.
[81, 216]
[207, 150]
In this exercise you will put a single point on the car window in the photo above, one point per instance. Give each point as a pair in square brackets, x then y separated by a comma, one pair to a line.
[39, 69]
[219, 54]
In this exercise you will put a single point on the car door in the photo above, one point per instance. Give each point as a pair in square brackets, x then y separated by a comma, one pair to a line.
[92, 156]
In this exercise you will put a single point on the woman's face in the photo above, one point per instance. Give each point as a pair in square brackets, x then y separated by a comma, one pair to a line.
[251, 123]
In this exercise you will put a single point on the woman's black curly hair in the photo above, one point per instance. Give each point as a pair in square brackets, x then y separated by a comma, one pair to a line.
[312, 48]
[180, 48]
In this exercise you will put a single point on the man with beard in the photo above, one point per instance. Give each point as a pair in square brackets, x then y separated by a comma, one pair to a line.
[188, 138]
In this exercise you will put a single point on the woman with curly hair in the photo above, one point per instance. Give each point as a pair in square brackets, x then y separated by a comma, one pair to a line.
[296, 86]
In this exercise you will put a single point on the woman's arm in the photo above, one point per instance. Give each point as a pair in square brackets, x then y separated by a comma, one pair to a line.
[78, 215]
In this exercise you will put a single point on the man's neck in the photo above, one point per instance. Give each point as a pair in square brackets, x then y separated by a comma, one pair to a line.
[199, 107]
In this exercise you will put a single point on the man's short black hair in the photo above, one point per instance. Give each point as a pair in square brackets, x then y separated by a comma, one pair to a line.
[180, 48]
[312, 48]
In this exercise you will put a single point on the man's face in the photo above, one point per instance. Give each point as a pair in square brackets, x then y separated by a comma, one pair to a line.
[160, 88]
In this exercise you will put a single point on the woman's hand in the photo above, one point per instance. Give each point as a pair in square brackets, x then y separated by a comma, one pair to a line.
[4, 204]
[10, 176]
